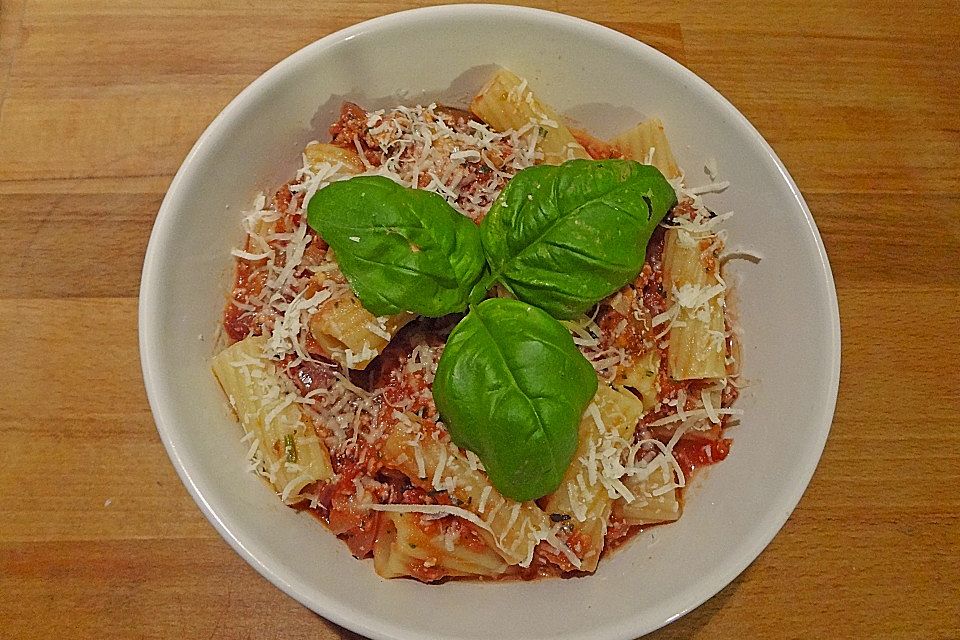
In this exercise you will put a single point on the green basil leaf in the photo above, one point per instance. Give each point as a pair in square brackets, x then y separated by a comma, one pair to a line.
[401, 249]
[565, 237]
[511, 386]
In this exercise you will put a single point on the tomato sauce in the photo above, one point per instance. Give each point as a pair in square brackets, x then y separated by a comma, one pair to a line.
[351, 130]
[238, 323]
[359, 470]
[693, 452]
[597, 149]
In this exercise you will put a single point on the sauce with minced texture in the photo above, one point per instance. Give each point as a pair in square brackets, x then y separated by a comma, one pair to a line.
[625, 323]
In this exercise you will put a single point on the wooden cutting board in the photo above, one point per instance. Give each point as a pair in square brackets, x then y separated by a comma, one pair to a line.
[100, 101]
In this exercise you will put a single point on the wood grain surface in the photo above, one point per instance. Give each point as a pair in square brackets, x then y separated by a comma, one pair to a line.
[101, 99]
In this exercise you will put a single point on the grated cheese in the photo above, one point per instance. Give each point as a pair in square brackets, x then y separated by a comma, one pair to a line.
[708, 407]
[484, 495]
[438, 472]
[550, 537]
[434, 509]
[418, 457]
[422, 148]
[716, 187]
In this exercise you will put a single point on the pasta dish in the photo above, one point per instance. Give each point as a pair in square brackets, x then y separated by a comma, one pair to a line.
[481, 343]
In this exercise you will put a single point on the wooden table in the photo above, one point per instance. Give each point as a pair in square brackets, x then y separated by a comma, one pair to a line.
[100, 101]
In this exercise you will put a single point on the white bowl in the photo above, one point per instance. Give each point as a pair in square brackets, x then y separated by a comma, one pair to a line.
[606, 81]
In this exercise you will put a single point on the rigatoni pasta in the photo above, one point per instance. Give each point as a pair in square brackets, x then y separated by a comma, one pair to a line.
[513, 529]
[283, 443]
[351, 335]
[647, 142]
[337, 403]
[654, 495]
[641, 376]
[507, 102]
[409, 546]
[697, 334]
[593, 479]
[319, 153]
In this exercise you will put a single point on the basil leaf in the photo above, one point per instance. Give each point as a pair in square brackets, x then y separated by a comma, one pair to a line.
[565, 237]
[511, 386]
[401, 249]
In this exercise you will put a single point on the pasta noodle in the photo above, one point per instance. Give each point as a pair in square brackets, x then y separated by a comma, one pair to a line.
[647, 143]
[405, 547]
[507, 103]
[317, 153]
[513, 527]
[697, 335]
[350, 334]
[654, 496]
[285, 446]
[585, 493]
[642, 377]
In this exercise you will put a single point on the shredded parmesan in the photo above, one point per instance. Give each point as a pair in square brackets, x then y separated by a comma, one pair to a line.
[708, 407]
[484, 495]
[438, 473]
[444, 509]
[423, 149]
[550, 537]
[418, 456]
[468, 164]
[716, 187]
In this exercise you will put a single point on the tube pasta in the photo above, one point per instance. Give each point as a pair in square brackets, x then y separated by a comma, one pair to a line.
[405, 548]
[655, 500]
[320, 152]
[514, 528]
[350, 334]
[506, 103]
[641, 377]
[697, 343]
[637, 142]
[583, 494]
[285, 443]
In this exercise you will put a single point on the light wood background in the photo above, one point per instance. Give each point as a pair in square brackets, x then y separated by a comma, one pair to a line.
[100, 101]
